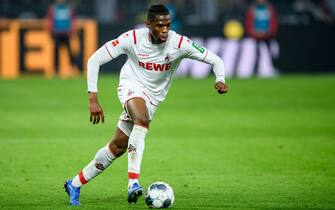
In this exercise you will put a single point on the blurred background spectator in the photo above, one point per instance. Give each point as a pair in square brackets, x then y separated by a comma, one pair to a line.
[61, 25]
[262, 25]
[175, 25]
[261, 20]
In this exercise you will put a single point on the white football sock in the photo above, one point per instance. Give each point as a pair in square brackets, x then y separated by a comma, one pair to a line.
[135, 151]
[103, 158]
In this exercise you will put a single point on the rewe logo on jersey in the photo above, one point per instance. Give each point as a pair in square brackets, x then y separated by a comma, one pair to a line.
[155, 66]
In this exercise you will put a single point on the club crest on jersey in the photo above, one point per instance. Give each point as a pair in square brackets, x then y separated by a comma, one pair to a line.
[130, 92]
[168, 58]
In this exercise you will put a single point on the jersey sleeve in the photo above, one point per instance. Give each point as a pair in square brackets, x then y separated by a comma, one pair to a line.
[118, 46]
[191, 49]
[104, 54]
[196, 52]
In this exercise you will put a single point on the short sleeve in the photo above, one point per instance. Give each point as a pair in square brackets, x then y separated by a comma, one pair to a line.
[118, 46]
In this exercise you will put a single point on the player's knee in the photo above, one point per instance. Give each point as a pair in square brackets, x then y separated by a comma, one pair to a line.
[142, 121]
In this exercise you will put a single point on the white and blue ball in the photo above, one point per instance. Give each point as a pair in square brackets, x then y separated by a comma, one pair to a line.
[159, 195]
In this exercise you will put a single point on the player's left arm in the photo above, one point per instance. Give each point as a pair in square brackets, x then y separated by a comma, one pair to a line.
[218, 68]
[196, 52]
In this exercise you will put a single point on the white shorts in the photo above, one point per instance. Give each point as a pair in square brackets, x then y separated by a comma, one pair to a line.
[127, 92]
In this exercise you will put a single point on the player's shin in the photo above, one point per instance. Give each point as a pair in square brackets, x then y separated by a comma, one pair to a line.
[103, 158]
[135, 152]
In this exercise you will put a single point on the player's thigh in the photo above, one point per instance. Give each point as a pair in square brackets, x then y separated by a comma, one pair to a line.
[137, 104]
[138, 110]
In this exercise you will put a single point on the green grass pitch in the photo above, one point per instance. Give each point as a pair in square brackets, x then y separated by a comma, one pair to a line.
[267, 144]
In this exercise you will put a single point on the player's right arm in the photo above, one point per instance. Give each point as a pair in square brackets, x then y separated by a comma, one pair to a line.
[104, 54]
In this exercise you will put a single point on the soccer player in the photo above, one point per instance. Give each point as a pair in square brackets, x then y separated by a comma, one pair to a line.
[154, 53]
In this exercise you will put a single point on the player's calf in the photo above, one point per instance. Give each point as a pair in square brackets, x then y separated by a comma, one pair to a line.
[103, 158]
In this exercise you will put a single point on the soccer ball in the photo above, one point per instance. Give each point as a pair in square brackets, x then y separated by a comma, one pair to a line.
[159, 195]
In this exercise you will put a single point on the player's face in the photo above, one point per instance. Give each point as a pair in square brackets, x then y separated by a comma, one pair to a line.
[159, 27]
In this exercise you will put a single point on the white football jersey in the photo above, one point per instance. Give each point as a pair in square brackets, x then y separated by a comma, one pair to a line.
[150, 66]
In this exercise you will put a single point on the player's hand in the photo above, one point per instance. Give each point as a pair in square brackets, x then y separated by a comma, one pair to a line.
[221, 87]
[96, 112]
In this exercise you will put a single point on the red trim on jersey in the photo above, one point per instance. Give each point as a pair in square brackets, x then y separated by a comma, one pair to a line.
[133, 175]
[82, 178]
[205, 55]
[134, 35]
[181, 40]
[109, 52]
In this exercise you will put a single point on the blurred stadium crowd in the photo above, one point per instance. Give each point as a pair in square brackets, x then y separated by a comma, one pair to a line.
[290, 12]
[299, 34]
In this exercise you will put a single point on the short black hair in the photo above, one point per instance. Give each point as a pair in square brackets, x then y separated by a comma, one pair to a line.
[157, 9]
